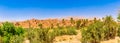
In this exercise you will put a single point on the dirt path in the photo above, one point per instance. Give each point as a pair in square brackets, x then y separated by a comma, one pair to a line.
[116, 40]
[68, 38]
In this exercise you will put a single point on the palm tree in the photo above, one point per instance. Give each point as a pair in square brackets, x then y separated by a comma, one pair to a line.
[17, 24]
[95, 19]
[72, 21]
[63, 21]
[78, 23]
[40, 26]
[118, 17]
[84, 22]
[29, 23]
[108, 20]
[111, 26]
[58, 25]
[52, 26]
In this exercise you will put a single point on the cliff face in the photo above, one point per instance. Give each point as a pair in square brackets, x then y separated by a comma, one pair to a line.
[34, 23]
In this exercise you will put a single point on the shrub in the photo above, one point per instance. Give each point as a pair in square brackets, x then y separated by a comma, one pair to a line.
[111, 27]
[118, 31]
[40, 35]
[65, 31]
[100, 31]
[16, 39]
[71, 31]
[78, 24]
[1, 40]
[93, 33]
[32, 35]
[47, 35]
[118, 18]
[19, 31]
[40, 25]
[8, 30]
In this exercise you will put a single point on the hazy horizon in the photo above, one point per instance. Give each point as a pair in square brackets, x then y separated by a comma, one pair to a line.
[14, 10]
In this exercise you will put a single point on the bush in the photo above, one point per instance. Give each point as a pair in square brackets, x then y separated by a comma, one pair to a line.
[71, 31]
[65, 31]
[40, 35]
[19, 31]
[47, 35]
[78, 24]
[111, 27]
[100, 30]
[8, 30]
[32, 35]
[118, 31]
[16, 39]
[1, 39]
[93, 33]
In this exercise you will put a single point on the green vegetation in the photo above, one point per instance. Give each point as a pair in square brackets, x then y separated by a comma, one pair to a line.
[99, 30]
[11, 34]
[78, 24]
[118, 18]
[65, 31]
[93, 33]
[40, 26]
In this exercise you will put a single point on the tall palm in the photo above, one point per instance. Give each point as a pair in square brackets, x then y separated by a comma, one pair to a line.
[78, 23]
[118, 17]
[111, 26]
[52, 25]
[72, 21]
[40, 26]
[63, 21]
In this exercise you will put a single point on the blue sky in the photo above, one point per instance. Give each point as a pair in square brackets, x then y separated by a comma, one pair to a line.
[42, 9]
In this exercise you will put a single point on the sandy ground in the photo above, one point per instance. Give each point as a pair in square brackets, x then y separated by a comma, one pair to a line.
[68, 38]
[116, 40]
[76, 39]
